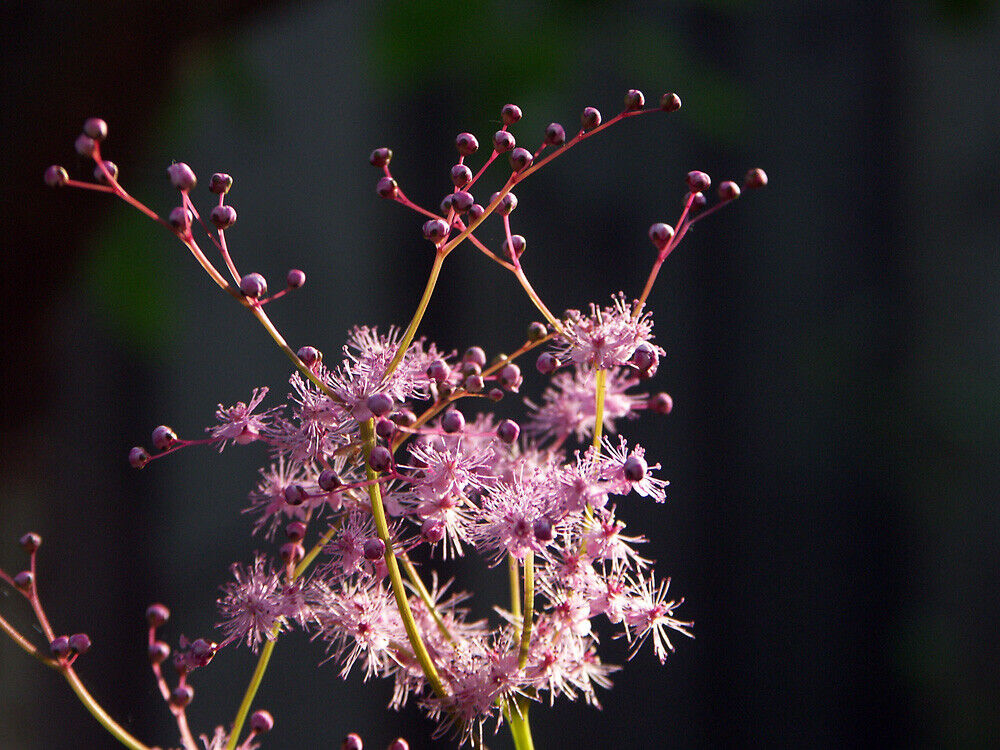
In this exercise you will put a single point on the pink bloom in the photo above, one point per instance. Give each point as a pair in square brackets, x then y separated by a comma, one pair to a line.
[252, 605]
[607, 337]
[239, 424]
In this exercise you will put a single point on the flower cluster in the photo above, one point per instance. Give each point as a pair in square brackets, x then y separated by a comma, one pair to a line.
[378, 461]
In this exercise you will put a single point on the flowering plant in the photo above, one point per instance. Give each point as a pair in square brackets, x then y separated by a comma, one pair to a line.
[375, 473]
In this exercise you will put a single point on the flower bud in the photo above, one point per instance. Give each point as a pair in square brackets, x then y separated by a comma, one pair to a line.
[520, 159]
[547, 363]
[295, 279]
[590, 118]
[138, 457]
[510, 114]
[698, 181]
[80, 642]
[634, 100]
[387, 187]
[96, 128]
[476, 212]
[661, 403]
[380, 157]
[223, 217]
[329, 480]
[180, 219]
[157, 615]
[670, 102]
[474, 383]
[295, 494]
[729, 190]
[403, 417]
[461, 175]
[261, 721]
[24, 580]
[385, 428]
[221, 183]
[253, 286]
[452, 421]
[475, 355]
[202, 652]
[438, 370]
[379, 404]
[399, 744]
[435, 230]
[508, 431]
[756, 178]
[660, 235]
[309, 355]
[158, 652]
[507, 204]
[59, 647]
[495, 395]
[30, 542]
[295, 531]
[182, 176]
[644, 357]
[181, 696]
[516, 243]
[85, 145]
[163, 438]
[510, 377]
[503, 141]
[352, 742]
[56, 176]
[374, 549]
[542, 529]
[462, 201]
[537, 331]
[555, 134]
[380, 458]
[110, 168]
[466, 144]
[634, 468]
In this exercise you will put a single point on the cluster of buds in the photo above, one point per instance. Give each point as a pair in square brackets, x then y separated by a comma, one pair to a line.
[377, 467]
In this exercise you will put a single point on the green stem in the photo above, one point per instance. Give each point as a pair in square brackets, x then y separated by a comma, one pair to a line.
[520, 729]
[601, 382]
[411, 330]
[251, 693]
[398, 590]
[529, 607]
[513, 574]
[102, 716]
[533, 295]
[425, 595]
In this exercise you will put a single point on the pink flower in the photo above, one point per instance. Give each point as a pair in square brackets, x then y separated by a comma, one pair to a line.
[239, 424]
[252, 605]
[607, 337]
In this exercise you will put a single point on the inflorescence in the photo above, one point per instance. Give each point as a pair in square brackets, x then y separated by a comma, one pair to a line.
[373, 460]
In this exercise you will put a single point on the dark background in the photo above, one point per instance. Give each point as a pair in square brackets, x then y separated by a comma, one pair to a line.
[832, 341]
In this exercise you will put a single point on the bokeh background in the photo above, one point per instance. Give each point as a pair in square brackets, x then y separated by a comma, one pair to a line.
[833, 342]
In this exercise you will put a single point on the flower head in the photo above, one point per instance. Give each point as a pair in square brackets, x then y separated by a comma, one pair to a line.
[607, 337]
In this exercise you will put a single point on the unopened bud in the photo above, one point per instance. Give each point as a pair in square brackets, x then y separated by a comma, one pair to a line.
[56, 176]
[590, 118]
[95, 128]
[380, 157]
[510, 114]
[221, 183]
[182, 176]
[138, 457]
[634, 100]
[670, 102]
